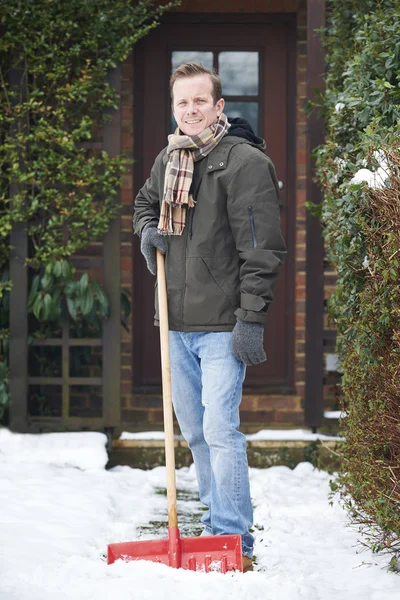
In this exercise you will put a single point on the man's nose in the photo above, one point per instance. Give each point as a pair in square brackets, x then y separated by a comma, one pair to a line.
[191, 108]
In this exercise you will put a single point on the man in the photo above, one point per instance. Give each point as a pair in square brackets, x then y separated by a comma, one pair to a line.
[211, 205]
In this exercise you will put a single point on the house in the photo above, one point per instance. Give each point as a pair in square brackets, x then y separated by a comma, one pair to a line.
[271, 60]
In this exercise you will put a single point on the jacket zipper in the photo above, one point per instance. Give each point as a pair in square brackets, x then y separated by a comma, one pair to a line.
[186, 232]
[191, 223]
[253, 228]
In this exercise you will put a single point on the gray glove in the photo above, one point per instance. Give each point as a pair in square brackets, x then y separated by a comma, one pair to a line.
[150, 239]
[248, 342]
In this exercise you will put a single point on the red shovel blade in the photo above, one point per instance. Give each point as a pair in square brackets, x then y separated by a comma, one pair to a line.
[221, 553]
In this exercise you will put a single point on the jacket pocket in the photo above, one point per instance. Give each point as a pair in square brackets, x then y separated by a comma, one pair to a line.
[208, 299]
[225, 273]
[252, 226]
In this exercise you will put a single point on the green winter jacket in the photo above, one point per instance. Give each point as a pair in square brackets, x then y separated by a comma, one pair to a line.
[225, 264]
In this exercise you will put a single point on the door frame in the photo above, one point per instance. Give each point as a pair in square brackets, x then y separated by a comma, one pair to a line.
[138, 127]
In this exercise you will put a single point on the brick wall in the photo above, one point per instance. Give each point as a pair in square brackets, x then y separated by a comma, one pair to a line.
[301, 162]
[139, 413]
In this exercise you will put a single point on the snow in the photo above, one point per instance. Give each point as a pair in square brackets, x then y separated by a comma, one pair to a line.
[374, 179]
[334, 414]
[263, 435]
[84, 450]
[380, 157]
[339, 107]
[332, 362]
[58, 516]
[290, 435]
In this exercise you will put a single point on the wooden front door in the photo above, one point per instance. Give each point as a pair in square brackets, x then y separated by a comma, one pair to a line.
[254, 61]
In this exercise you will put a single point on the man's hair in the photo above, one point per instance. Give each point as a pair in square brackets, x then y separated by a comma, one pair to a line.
[192, 69]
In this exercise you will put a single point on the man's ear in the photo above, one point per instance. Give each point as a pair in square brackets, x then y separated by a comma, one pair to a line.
[220, 106]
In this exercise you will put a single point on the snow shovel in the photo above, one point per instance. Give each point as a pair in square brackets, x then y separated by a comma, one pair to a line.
[220, 553]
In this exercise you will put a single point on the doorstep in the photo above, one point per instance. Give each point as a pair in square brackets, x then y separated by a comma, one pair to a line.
[149, 453]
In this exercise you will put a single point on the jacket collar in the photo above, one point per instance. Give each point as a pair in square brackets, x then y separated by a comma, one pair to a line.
[218, 158]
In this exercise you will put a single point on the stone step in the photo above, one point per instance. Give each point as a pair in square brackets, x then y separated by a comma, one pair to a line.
[149, 453]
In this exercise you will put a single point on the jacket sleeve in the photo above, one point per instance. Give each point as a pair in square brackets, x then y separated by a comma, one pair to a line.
[147, 202]
[254, 216]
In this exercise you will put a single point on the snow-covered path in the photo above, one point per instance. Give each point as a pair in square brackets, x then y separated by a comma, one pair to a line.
[56, 521]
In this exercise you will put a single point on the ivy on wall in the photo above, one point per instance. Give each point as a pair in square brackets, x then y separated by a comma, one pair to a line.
[54, 94]
[359, 169]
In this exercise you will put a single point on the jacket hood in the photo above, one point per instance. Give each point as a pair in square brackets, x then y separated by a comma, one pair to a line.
[241, 128]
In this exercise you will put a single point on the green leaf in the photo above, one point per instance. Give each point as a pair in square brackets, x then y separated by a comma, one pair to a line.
[86, 302]
[65, 269]
[33, 290]
[83, 282]
[125, 304]
[57, 269]
[71, 287]
[72, 306]
[46, 282]
[99, 292]
[47, 305]
[37, 306]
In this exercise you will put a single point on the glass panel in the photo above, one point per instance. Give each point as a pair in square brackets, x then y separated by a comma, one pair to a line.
[85, 401]
[84, 329]
[246, 110]
[85, 361]
[43, 331]
[45, 400]
[239, 73]
[45, 361]
[180, 57]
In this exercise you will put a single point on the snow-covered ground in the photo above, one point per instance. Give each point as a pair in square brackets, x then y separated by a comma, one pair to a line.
[60, 508]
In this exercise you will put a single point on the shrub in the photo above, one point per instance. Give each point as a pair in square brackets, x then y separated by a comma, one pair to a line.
[361, 228]
[54, 94]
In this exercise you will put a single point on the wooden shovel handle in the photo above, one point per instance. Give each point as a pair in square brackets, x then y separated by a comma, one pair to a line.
[167, 391]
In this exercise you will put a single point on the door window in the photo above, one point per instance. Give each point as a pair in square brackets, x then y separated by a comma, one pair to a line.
[245, 110]
[239, 73]
[181, 57]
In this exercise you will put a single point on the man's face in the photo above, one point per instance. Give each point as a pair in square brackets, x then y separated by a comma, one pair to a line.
[193, 104]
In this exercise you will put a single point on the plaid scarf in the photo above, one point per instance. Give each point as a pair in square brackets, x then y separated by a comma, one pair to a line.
[183, 151]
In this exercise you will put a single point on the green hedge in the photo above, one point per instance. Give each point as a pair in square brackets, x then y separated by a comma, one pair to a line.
[361, 106]
[54, 60]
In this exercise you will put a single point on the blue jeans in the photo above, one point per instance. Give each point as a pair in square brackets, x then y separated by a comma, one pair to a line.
[206, 391]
